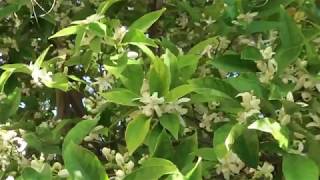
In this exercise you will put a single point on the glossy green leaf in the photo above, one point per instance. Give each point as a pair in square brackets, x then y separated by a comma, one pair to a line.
[246, 147]
[22, 68]
[153, 168]
[136, 132]
[163, 147]
[172, 123]
[233, 63]
[159, 78]
[296, 167]
[131, 82]
[79, 131]
[9, 9]
[251, 53]
[121, 96]
[66, 31]
[179, 92]
[40, 59]
[269, 126]
[35, 142]
[103, 8]
[97, 28]
[201, 46]
[3, 79]
[32, 174]
[136, 36]
[206, 154]
[219, 137]
[184, 156]
[10, 105]
[82, 164]
[146, 21]
[59, 81]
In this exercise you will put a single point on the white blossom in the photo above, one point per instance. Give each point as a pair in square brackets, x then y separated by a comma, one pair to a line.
[175, 107]
[250, 104]
[104, 82]
[315, 121]
[63, 173]
[108, 153]
[283, 117]
[119, 33]
[306, 96]
[39, 76]
[264, 171]
[267, 53]
[249, 101]
[36, 163]
[245, 18]
[94, 134]
[151, 104]
[229, 165]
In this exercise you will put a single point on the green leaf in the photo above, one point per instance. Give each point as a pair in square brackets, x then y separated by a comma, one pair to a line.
[201, 46]
[246, 83]
[10, 105]
[184, 155]
[194, 172]
[153, 168]
[286, 56]
[146, 21]
[163, 147]
[136, 132]
[136, 36]
[171, 62]
[172, 123]
[178, 92]
[82, 164]
[40, 59]
[66, 31]
[233, 135]
[251, 53]
[59, 81]
[153, 136]
[187, 65]
[159, 78]
[219, 137]
[9, 9]
[31, 174]
[233, 63]
[214, 83]
[297, 167]
[269, 126]
[121, 96]
[262, 26]
[207, 154]
[22, 68]
[40, 145]
[78, 132]
[273, 7]
[289, 33]
[3, 79]
[246, 147]
[291, 39]
[131, 82]
[95, 45]
[103, 7]
[97, 28]
[313, 150]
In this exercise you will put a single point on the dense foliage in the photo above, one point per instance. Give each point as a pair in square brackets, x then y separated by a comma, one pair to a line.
[159, 89]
